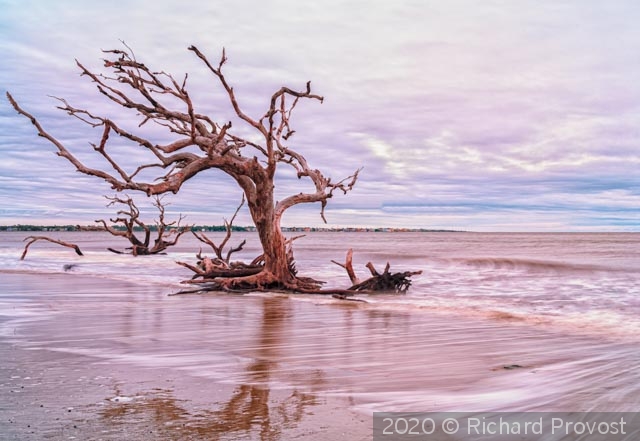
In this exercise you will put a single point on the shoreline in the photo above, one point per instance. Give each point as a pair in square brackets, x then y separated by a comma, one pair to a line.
[61, 385]
[128, 359]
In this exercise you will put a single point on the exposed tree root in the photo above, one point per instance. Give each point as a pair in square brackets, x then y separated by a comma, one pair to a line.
[389, 282]
[263, 281]
[247, 278]
[209, 270]
[395, 282]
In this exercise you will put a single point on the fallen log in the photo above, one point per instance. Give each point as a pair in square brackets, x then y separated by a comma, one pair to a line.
[208, 268]
[222, 273]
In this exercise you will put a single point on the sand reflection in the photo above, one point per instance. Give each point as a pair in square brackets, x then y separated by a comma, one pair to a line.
[251, 411]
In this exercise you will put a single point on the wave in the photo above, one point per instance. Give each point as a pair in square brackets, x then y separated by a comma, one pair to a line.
[515, 264]
[157, 270]
[595, 322]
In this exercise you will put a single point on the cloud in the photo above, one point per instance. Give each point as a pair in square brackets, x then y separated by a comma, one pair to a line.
[480, 116]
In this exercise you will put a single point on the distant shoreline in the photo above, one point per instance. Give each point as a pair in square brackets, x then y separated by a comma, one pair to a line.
[59, 228]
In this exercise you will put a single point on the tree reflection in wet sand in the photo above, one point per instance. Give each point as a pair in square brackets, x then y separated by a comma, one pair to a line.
[251, 412]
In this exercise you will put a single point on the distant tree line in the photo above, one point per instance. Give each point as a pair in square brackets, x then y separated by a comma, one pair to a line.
[223, 228]
[116, 227]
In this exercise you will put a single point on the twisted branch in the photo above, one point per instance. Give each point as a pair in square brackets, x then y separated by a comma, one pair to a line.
[33, 239]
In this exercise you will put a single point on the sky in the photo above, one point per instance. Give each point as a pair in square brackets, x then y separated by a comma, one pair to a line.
[466, 115]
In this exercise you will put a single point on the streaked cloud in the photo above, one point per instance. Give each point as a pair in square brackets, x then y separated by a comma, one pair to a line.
[490, 115]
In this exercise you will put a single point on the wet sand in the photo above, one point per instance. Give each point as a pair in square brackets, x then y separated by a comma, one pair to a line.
[92, 358]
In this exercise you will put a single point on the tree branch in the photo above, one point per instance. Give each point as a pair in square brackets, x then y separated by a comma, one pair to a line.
[33, 239]
[348, 265]
[219, 249]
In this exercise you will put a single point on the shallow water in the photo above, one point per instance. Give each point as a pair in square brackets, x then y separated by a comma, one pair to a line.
[510, 322]
[582, 283]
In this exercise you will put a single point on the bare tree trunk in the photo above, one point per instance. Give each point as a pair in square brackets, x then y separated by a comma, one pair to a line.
[276, 264]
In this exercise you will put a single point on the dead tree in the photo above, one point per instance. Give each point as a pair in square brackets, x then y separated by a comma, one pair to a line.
[198, 144]
[128, 219]
[33, 239]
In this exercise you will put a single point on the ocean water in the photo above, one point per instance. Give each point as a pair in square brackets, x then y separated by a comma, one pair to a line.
[582, 282]
[512, 322]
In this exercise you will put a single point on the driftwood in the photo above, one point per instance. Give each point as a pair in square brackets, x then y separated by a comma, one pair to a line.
[387, 281]
[348, 266]
[210, 276]
[167, 233]
[396, 282]
[33, 239]
[208, 270]
[213, 271]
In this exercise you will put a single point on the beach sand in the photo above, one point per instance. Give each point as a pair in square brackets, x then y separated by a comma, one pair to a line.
[97, 359]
